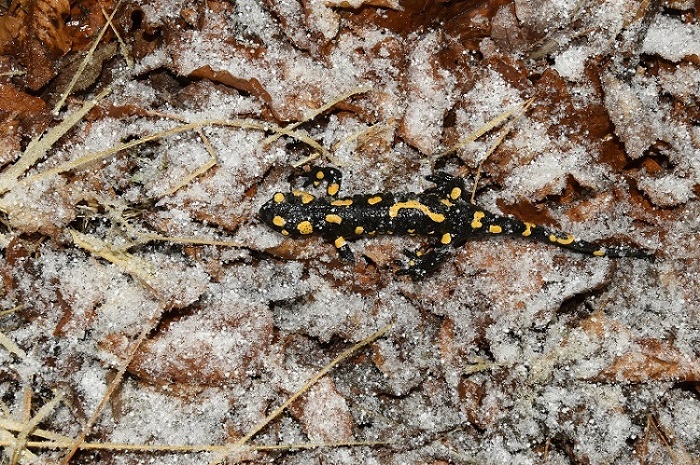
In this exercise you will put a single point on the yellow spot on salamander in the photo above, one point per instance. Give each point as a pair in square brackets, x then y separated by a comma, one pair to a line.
[341, 202]
[305, 227]
[284, 232]
[414, 204]
[446, 238]
[334, 219]
[528, 228]
[495, 229]
[319, 175]
[446, 203]
[333, 189]
[339, 242]
[476, 222]
[305, 196]
[359, 230]
[599, 253]
[278, 197]
[562, 240]
[374, 200]
[279, 221]
[455, 193]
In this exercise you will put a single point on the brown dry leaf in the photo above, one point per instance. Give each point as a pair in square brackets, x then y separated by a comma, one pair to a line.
[324, 413]
[10, 30]
[654, 360]
[649, 359]
[29, 112]
[47, 39]
[210, 347]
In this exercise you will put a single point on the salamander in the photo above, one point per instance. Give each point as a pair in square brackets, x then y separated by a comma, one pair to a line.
[443, 212]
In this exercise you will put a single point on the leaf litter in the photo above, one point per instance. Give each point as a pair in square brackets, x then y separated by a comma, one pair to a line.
[141, 298]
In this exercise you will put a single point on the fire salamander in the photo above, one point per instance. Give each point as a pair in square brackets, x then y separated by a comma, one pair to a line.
[443, 212]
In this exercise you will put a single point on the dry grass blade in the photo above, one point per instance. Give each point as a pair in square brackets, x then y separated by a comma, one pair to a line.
[314, 113]
[146, 237]
[38, 147]
[320, 374]
[243, 124]
[504, 132]
[8, 424]
[122, 45]
[138, 268]
[66, 443]
[495, 122]
[85, 61]
[155, 317]
[12, 310]
[199, 171]
[21, 441]
[12, 73]
[11, 347]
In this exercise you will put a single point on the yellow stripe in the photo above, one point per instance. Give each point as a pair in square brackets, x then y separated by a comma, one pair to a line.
[414, 204]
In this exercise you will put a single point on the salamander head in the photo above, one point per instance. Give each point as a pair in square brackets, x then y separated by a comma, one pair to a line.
[281, 213]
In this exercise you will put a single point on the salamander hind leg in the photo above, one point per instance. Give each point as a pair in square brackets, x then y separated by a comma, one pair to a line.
[343, 249]
[332, 177]
[447, 186]
[422, 263]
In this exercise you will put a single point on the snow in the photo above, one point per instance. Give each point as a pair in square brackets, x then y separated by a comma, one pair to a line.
[672, 39]
[530, 326]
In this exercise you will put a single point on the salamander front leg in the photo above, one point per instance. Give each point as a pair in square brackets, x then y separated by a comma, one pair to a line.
[422, 263]
[331, 176]
[447, 186]
[343, 249]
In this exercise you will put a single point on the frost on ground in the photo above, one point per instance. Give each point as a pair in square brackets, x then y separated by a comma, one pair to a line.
[512, 352]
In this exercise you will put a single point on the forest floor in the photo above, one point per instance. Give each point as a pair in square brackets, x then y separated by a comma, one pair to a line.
[147, 315]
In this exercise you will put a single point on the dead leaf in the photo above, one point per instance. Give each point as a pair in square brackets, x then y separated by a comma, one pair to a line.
[654, 360]
[324, 413]
[47, 39]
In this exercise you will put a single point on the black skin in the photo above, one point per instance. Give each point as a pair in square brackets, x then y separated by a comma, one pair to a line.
[443, 211]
